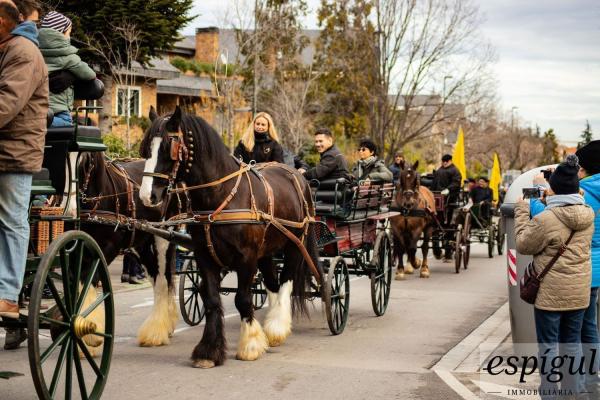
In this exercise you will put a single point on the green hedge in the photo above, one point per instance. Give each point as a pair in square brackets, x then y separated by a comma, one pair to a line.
[199, 68]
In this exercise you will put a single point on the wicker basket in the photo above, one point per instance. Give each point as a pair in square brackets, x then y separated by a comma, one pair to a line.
[43, 232]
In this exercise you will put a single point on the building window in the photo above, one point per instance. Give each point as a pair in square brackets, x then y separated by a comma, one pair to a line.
[134, 95]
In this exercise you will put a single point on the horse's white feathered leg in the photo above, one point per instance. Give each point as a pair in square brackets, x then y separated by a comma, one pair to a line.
[160, 324]
[278, 323]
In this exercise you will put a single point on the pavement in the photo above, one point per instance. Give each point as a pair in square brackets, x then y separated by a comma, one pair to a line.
[427, 345]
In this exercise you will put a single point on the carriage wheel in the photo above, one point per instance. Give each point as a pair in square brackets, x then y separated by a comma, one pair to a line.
[336, 295]
[73, 317]
[458, 249]
[491, 240]
[190, 302]
[466, 241]
[500, 237]
[259, 292]
[381, 279]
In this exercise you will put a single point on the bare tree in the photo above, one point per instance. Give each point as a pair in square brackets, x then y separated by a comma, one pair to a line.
[420, 44]
[123, 70]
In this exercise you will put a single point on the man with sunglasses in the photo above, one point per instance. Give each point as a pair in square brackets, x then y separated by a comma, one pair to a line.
[370, 167]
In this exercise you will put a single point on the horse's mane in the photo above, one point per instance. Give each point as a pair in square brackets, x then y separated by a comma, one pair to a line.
[206, 138]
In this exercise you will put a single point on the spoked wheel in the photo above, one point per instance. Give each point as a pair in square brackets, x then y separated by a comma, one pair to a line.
[500, 236]
[336, 295]
[436, 248]
[259, 292]
[466, 241]
[381, 279]
[458, 249]
[491, 240]
[79, 317]
[190, 302]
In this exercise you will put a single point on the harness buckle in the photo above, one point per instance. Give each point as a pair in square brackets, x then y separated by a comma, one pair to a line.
[210, 218]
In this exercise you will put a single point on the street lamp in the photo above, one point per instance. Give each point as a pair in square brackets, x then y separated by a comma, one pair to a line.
[443, 139]
[512, 118]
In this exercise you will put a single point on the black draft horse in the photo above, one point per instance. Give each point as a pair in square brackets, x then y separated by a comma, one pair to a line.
[241, 247]
[112, 187]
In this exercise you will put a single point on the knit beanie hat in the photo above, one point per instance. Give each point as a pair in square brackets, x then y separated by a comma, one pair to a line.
[57, 21]
[589, 157]
[564, 179]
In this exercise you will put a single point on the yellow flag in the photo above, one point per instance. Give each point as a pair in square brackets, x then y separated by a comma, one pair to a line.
[496, 178]
[458, 156]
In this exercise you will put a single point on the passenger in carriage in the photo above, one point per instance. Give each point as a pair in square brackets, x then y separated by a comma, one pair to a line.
[260, 141]
[482, 195]
[23, 110]
[332, 164]
[370, 167]
[55, 45]
[397, 166]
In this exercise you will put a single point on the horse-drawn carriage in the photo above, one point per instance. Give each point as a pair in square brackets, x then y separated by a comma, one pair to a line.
[353, 239]
[487, 227]
[67, 292]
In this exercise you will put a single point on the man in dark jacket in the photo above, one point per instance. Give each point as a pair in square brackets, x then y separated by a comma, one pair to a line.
[23, 111]
[447, 180]
[333, 164]
[482, 196]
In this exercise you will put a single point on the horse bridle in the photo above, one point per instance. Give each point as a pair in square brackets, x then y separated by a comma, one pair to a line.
[178, 152]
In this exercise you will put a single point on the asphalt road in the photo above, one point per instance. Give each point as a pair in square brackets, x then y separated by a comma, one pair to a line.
[375, 357]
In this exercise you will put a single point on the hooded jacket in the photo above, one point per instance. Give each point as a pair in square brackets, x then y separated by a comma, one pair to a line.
[23, 105]
[265, 150]
[60, 55]
[28, 30]
[567, 286]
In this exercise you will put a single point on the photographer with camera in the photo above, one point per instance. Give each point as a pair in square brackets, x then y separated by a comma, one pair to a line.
[559, 238]
[589, 175]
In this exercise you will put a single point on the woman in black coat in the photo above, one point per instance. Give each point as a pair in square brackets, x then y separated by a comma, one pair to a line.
[260, 141]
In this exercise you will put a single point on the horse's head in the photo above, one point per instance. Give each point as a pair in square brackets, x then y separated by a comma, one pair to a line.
[165, 152]
[407, 194]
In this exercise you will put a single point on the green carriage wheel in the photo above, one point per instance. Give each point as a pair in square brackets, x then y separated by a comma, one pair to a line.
[381, 279]
[458, 249]
[190, 303]
[73, 315]
[491, 240]
[336, 295]
[500, 236]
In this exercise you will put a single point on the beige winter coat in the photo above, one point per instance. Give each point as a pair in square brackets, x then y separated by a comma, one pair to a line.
[567, 285]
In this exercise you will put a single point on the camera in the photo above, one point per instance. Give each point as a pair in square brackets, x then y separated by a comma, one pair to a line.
[547, 173]
[532, 193]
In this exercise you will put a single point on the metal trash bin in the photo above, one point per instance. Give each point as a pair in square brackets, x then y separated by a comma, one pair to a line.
[522, 323]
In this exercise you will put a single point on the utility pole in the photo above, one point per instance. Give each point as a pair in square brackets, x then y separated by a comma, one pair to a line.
[255, 61]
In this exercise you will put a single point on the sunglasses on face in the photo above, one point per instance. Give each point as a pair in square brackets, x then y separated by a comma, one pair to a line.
[362, 149]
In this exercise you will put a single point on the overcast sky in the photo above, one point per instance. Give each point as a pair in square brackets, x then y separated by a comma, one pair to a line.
[549, 58]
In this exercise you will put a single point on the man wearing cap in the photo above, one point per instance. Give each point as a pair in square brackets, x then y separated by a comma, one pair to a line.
[447, 180]
[55, 45]
[23, 111]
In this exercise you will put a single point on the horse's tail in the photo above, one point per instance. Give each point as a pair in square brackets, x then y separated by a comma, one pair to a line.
[302, 274]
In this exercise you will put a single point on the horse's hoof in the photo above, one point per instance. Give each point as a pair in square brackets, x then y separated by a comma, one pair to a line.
[425, 274]
[399, 276]
[204, 364]
[408, 269]
[418, 263]
[253, 341]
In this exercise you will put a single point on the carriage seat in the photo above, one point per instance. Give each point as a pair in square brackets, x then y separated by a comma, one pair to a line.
[333, 197]
[41, 184]
[69, 132]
